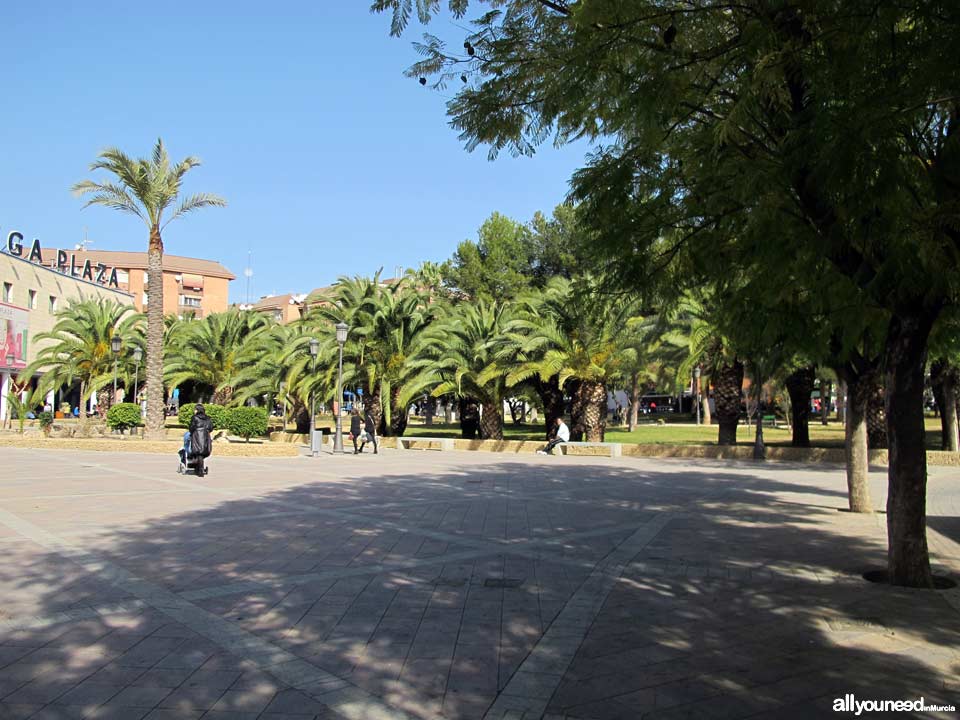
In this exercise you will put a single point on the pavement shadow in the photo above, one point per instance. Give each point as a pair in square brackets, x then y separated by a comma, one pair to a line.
[427, 592]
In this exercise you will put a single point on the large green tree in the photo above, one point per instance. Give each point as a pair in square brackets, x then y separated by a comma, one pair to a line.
[148, 188]
[844, 124]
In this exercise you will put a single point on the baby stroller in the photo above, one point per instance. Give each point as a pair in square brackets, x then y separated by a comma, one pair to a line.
[188, 462]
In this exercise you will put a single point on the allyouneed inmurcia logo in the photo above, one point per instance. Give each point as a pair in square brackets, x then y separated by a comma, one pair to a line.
[849, 703]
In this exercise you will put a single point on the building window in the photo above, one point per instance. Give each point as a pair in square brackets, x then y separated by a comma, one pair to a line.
[32, 299]
[7, 292]
[123, 277]
[145, 300]
[53, 303]
[187, 301]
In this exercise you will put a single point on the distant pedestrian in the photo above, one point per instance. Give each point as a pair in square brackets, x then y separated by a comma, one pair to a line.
[356, 428]
[369, 432]
[561, 434]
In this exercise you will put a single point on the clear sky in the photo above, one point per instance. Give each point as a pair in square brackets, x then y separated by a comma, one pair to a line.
[332, 161]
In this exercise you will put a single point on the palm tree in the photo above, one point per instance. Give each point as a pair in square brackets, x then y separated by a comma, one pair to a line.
[78, 348]
[458, 355]
[573, 336]
[210, 351]
[148, 188]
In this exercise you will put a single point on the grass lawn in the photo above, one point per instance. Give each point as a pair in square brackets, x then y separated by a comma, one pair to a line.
[675, 433]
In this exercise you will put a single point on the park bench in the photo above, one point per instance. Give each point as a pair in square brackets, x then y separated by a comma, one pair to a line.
[770, 421]
[615, 449]
[441, 443]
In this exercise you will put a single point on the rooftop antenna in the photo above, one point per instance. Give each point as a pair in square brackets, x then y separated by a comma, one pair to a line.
[248, 273]
[82, 245]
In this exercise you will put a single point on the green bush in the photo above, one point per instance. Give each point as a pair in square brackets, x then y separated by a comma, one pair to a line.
[247, 422]
[46, 420]
[216, 413]
[123, 416]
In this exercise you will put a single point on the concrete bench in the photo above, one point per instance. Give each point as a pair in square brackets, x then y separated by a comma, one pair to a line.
[430, 443]
[605, 448]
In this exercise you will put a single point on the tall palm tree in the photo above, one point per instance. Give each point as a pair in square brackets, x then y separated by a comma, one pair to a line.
[458, 355]
[210, 351]
[78, 348]
[148, 188]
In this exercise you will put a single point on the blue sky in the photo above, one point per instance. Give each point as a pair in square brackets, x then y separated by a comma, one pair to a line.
[332, 161]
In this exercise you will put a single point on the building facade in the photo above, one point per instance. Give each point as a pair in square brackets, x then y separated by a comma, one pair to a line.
[283, 309]
[31, 296]
[191, 287]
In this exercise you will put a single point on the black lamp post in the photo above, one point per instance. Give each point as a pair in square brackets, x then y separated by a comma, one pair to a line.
[137, 357]
[342, 329]
[314, 350]
[115, 347]
[696, 382]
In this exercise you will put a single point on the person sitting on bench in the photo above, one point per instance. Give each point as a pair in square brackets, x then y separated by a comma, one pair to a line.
[560, 435]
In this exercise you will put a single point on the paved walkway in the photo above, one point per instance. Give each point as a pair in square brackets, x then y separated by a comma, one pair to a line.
[456, 585]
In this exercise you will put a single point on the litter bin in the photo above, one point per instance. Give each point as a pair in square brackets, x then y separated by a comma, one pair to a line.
[316, 442]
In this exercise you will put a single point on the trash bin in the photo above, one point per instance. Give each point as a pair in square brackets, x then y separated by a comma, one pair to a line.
[316, 442]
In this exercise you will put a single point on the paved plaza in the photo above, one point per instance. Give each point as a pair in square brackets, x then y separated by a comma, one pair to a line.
[457, 585]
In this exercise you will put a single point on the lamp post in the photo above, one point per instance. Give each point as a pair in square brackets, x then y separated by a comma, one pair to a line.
[342, 329]
[115, 347]
[696, 382]
[137, 357]
[314, 349]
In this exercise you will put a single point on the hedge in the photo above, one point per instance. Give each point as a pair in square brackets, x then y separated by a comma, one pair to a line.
[247, 422]
[123, 416]
[216, 413]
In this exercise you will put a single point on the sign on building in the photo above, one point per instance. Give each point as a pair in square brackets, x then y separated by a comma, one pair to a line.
[14, 324]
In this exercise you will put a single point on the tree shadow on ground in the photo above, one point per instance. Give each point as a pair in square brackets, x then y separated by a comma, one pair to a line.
[427, 591]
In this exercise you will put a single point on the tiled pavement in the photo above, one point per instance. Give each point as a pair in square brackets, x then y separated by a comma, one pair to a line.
[456, 585]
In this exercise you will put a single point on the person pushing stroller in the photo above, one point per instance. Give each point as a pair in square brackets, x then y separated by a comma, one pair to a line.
[200, 442]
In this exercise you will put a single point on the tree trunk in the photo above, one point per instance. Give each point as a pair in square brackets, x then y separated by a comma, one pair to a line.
[374, 403]
[943, 379]
[855, 433]
[876, 414]
[826, 390]
[222, 396]
[759, 449]
[908, 559]
[634, 402]
[491, 420]
[398, 415]
[154, 429]
[800, 385]
[842, 402]
[551, 395]
[729, 382]
[705, 400]
[301, 417]
[592, 400]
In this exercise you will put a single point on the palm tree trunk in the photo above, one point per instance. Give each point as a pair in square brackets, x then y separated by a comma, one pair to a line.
[491, 419]
[374, 403]
[826, 390]
[759, 449]
[729, 383]
[943, 379]
[398, 415]
[593, 401]
[800, 386]
[551, 395]
[634, 401]
[301, 417]
[222, 396]
[858, 486]
[154, 368]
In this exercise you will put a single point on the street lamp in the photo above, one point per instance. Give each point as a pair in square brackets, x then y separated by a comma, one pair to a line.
[342, 329]
[696, 382]
[115, 346]
[137, 357]
[314, 350]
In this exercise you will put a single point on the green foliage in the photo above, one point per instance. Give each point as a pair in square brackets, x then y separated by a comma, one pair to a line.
[46, 420]
[216, 413]
[123, 416]
[246, 421]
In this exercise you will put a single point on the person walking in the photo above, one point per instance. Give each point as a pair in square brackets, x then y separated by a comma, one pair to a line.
[560, 435]
[200, 441]
[355, 429]
[370, 432]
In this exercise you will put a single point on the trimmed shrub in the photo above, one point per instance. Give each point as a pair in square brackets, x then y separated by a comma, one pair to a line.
[247, 422]
[216, 413]
[46, 421]
[123, 416]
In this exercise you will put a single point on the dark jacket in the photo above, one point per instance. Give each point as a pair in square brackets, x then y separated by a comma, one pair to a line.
[200, 427]
[355, 425]
[368, 424]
